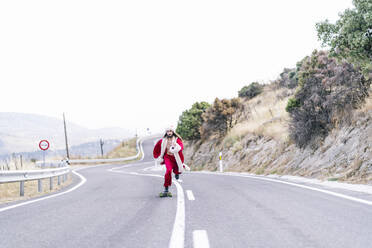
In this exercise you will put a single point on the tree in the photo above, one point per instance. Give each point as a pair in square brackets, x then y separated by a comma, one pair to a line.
[191, 120]
[350, 37]
[219, 118]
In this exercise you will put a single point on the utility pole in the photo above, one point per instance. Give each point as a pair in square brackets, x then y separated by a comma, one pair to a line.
[101, 144]
[64, 124]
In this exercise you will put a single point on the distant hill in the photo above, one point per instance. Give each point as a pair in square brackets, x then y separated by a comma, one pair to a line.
[85, 150]
[21, 132]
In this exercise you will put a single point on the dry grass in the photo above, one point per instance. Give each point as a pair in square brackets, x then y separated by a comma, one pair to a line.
[367, 106]
[10, 191]
[16, 165]
[125, 149]
[267, 116]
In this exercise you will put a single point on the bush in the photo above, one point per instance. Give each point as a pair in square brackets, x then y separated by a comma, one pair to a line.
[349, 37]
[191, 120]
[219, 118]
[292, 104]
[288, 78]
[327, 92]
[251, 90]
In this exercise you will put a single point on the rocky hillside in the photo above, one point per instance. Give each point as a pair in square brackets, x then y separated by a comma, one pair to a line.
[260, 144]
[315, 120]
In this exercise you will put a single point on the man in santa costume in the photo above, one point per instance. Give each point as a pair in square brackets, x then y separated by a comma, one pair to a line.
[169, 151]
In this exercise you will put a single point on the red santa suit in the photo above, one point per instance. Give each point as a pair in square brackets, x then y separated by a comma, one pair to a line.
[171, 155]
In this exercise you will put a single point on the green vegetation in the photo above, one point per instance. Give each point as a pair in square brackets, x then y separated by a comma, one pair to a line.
[329, 86]
[191, 120]
[292, 104]
[350, 36]
[251, 90]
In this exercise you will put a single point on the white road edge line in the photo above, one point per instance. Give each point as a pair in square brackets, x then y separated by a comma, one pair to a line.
[190, 195]
[351, 198]
[200, 239]
[178, 234]
[83, 180]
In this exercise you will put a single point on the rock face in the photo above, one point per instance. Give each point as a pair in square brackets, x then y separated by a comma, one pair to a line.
[345, 155]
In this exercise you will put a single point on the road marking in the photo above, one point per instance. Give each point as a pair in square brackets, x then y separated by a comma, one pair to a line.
[178, 234]
[177, 239]
[83, 180]
[135, 173]
[200, 238]
[128, 166]
[296, 185]
[190, 195]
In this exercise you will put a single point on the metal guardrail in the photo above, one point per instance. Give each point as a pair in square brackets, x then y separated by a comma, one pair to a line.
[19, 175]
[29, 175]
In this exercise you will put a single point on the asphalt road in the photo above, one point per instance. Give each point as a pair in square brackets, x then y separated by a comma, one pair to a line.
[118, 206]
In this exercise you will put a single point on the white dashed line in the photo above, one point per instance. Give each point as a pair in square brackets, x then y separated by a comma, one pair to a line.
[190, 195]
[200, 238]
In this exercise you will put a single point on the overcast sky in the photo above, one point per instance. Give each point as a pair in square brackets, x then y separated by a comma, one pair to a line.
[140, 63]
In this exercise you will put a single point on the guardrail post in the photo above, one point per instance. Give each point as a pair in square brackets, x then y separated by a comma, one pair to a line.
[39, 185]
[59, 180]
[51, 183]
[22, 188]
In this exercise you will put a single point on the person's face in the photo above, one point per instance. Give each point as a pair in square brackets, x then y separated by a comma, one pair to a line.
[169, 133]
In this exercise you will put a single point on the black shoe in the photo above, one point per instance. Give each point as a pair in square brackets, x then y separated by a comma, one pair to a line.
[177, 176]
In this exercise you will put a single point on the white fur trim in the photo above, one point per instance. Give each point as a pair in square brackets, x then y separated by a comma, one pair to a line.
[186, 167]
[176, 155]
[177, 148]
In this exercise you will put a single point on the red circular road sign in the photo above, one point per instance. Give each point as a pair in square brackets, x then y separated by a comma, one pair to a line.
[44, 145]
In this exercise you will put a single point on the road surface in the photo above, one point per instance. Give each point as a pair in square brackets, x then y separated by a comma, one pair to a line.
[118, 206]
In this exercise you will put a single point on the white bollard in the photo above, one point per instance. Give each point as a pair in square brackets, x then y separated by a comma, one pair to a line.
[221, 166]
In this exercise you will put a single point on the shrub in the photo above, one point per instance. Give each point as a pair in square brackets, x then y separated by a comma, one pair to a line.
[219, 118]
[288, 78]
[191, 120]
[292, 104]
[327, 92]
[251, 90]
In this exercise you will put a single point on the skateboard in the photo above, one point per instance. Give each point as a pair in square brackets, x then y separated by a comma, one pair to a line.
[165, 194]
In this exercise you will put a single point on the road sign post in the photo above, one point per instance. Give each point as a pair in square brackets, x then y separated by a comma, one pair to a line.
[44, 145]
